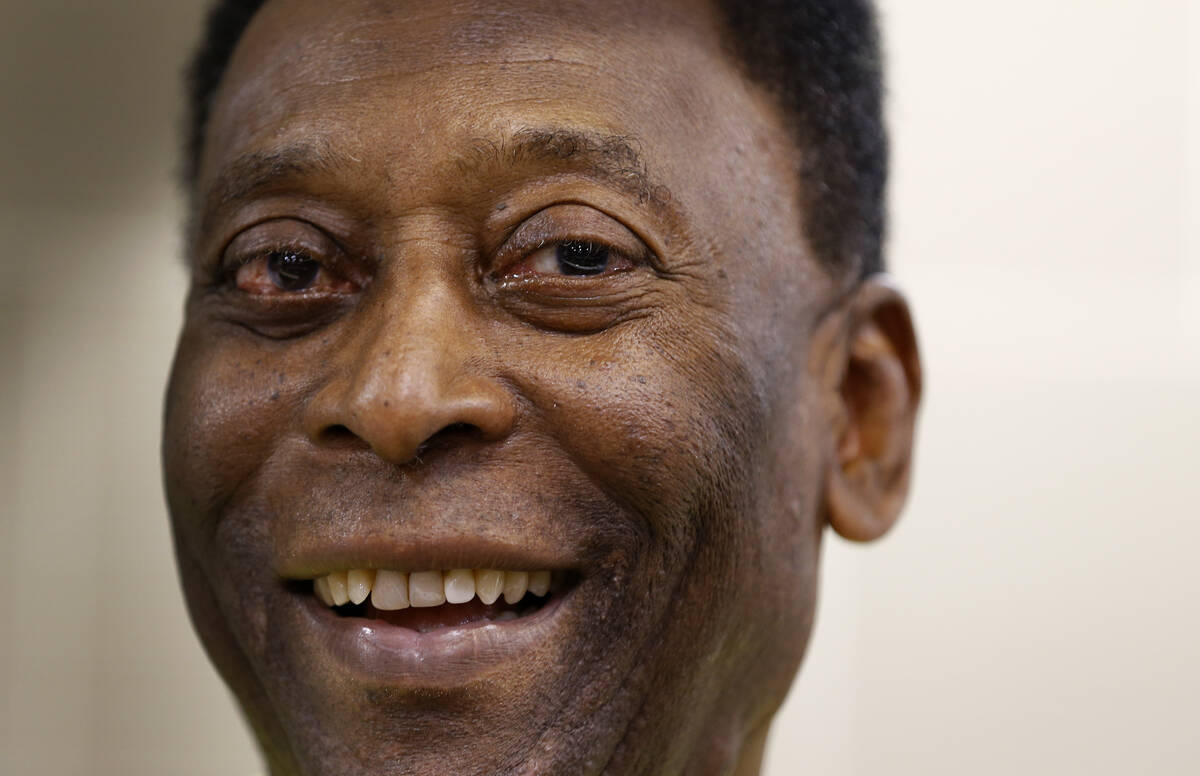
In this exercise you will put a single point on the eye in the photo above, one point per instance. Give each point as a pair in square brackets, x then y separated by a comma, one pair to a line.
[291, 270]
[282, 258]
[569, 243]
[288, 271]
[572, 258]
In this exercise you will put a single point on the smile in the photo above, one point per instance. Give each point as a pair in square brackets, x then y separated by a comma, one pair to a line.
[426, 601]
[434, 629]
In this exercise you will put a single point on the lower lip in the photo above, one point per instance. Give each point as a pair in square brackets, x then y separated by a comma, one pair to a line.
[381, 652]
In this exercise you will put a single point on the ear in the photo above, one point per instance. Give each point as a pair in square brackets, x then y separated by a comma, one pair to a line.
[870, 373]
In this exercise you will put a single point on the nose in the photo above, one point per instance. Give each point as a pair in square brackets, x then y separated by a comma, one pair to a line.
[411, 377]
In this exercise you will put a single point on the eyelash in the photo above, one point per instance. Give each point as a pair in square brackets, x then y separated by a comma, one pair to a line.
[292, 263]
[579, 252]
[567, 245]
[573, 258]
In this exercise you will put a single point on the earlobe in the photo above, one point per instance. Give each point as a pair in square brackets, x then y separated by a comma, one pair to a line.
[872, 383]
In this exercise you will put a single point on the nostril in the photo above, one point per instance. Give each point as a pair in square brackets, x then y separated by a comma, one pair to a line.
[340, 436]
[447, 435]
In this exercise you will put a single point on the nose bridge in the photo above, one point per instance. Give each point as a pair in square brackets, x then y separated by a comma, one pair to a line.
[408, 349]
[415, 369]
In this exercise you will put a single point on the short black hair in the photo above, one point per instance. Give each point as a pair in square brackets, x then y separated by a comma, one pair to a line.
[821, 61]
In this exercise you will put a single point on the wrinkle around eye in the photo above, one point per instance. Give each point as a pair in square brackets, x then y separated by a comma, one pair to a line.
[579, 313]
[273, 316]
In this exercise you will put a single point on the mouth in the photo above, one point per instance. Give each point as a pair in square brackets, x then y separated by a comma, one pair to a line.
[428, 601]
[425, 617]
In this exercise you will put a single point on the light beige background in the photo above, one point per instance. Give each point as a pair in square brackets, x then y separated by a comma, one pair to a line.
[1035, 613]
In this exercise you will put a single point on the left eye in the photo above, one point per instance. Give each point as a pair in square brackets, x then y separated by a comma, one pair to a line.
[577, 258]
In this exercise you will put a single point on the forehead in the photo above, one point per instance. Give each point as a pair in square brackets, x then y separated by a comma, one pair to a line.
[525, 52]
[428, 80]
[406, 90]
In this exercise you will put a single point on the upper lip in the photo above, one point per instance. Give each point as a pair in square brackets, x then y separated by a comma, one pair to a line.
[354, 512]
[311, 559]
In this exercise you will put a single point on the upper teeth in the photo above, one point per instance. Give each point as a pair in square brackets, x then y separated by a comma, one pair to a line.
[390, 590]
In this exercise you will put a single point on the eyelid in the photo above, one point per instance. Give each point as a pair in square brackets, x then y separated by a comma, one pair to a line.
[261, 239]
[570, 222]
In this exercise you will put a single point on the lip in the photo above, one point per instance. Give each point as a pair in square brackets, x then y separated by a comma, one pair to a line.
[379, 552]
[378, 652]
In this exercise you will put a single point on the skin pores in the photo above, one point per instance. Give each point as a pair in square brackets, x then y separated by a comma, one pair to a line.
[517, 287]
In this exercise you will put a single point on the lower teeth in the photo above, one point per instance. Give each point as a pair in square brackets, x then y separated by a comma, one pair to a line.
[425, 619]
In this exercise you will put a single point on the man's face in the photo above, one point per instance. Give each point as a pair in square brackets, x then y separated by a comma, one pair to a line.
[513, 287]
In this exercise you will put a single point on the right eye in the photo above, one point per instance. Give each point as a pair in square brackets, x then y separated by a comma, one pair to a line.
[289, 271]
[286, 258]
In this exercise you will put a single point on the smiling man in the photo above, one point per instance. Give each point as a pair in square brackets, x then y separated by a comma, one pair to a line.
[530, 347]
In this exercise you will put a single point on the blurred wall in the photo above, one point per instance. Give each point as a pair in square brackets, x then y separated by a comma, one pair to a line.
[99, 670]
[1035, 612]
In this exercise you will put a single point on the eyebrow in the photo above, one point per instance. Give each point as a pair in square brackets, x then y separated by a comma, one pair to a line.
[259, 170]
[612, 158]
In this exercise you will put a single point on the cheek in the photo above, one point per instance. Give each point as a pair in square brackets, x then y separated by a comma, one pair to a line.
[224, 414]
[660, 418]
[225, 409]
